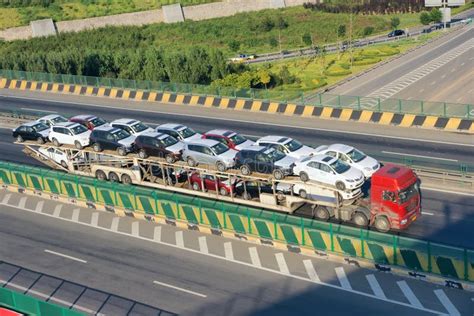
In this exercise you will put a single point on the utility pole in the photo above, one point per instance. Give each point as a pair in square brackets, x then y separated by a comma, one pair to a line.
[350, 34]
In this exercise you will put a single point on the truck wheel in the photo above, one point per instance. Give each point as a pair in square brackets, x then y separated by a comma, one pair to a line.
[169, 158]
[304, 176]
[121, 151]
[322, 213]
[223, 191]
[220, 166]
[56, 142]
[245, 170]
[142, 154]
[382, 224]
[126, 179]
[114, 177]
[303, 194]
[40, 140]
[96, 147]
[196, 186]
[340, 185]
[99, 174]
[191, 162]
[359, 219]
[278, 174]
[63, 164]
[78, 145]
[19, 139]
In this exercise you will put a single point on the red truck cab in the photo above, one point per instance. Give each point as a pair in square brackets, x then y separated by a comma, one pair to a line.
[394, 197]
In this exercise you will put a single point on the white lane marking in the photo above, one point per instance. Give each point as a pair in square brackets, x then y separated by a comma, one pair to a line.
[427, 213]
[179, 239]
[409, 294]
[135, 228]
[22, 202]
[312, 274]
[203, 245]
[75, 215]
[64, 256]
[95, 219]
[115, 224]
[179, 289]
[39, 206]
[38, 110]
[300, 278]
[254, 257]
[341, 275]
[419, 156]
[157, 234]
[57, 210]
[443, 298]
[280, 258]
[6, 198]
[375, 286]
[253, 122]
[229, 253]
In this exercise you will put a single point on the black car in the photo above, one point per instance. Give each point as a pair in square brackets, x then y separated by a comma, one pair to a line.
[32, 131]
[171, 176]
[396, 33]
[263, 160]
[249, 190]
[159, 145]
[111, 138]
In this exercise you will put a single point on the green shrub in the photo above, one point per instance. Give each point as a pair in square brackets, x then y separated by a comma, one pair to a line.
[345, 65]
[368, 30]
[365, 61]
[337, 70]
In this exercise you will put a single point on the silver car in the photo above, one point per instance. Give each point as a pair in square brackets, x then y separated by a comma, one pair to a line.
[210, 152]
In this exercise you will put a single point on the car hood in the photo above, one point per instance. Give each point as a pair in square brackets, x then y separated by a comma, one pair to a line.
[302, 152]
[85, 135]
[353, 174]
[127, 142]
[245, 144]
[148, 130]
[229, 155]
[285, 162]
[176, 147]
[367, 162]
[194, 137]
[44, 133]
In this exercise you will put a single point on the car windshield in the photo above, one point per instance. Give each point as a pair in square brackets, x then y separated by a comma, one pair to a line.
[59, 119]
[340, 166]
[139, 127]
[356, 155]
[408, 193]
[275, 154]
[237, 139]
[97, 121]
[169, 141]
[120, 134]
[220, 148]
[79, 129]
[40, 127]
[187, 132]
[293, 145]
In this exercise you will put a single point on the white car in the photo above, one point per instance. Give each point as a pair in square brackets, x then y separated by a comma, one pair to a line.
[178, 131]
[353, 157]
[52, 119]
[210, 152]
[287, 145]
[55, 154]
[70, 133]
[314, 192]
[329, 170]
[133, 127]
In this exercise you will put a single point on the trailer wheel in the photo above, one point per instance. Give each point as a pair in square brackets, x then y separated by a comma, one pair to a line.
[304, 176]
[359, 219]
[278, 174]
[191, 162]
[322, 213]
[340, 185]
[114, 177]
[169, 158]
[220, 166]
[78, 145]
[126, 179]
[245, 170]
[56, 142]
[63, 164]
[382, 224]
[196, 186]
[96, 147]
[19, 139]
[40, 140]
[142, 154]
[223, 191]
[303, 194]
[121, 151]
[99, 174]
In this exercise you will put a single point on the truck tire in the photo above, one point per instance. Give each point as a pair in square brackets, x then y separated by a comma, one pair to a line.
[114, 177]
[382, 224]
[321, 213]
[96, 147]
[359, 219]
[303, 194]
[99, 174]
[304, 176]
[245, 170]
[220, 166]
[19, 139]
[78, 145]
[40, 140]
[340, 185]
[56, 142]
[278, 174]
[169, 158]
[126, 179]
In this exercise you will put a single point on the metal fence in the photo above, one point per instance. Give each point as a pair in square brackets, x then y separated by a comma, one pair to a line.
[297, 232]
[31, 306]
[443, 109]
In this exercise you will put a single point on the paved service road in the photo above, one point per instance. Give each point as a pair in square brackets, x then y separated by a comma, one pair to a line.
[189, 273]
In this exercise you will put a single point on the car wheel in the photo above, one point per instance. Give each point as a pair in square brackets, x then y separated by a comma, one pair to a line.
[142, 154]
[114, 177]
[303, 194]
[99, 174]
[63, 164]
[196, 186]
[359, 219]
[340, 185]
[126, 179]
[169, 158]
[304, 176]
[19, 139]
[245, 170]
[223, 191]
[40, 140]
[191, 162]
[56, 142]
[382, 224]
[322, 213]
[220, 166]
[246, 196]
[121, 151]
[78, 145]
[278, 174]
[96, 147]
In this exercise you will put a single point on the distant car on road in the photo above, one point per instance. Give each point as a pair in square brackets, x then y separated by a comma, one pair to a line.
[396, 33]
[242, 58]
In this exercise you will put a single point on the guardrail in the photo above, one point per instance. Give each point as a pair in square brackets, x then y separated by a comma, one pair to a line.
[400, 106]
[297, 233]
[31, 306]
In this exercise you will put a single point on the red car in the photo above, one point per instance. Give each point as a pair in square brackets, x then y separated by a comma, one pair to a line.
[89, 121]
[229, 138]
[223, 185]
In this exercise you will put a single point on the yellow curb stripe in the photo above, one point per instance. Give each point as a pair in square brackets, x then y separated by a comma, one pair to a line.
[179, 99]
[326, 113]
[89, 90]
[256, 106]
[101, 92]
[33, 85]
[152, 96]
[290, 109]
[194, 100]
[386, 118]
[240, 104]
[113, 92]
[126, 94]
[224, 103]
[407, 120]
[273, 107]
[345, 114]
[23, 85]
[430, 121]
[139, 95]
[3, 82]
[208, 102]
[365, 116]
[453, 123]
[308, 110]
[55, 87]
[44, 87]
[166, 97]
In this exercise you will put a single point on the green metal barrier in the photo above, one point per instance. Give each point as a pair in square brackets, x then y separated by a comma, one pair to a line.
[419, 255]
[31, 306]
[442, 109]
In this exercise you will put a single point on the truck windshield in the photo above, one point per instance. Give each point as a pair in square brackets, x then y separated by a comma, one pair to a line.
[293, 145]
[340, 166]
[220, 148]
[79, 129]
[237, 139]
[187, 132]
[408, 193]
[139, 127]
[121, 134]
[356, 155]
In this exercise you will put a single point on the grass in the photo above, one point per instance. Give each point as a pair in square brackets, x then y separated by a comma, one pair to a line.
[62, 10]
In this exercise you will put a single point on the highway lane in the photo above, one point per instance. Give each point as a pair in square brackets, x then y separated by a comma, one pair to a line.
[448, 152]
[128, 266]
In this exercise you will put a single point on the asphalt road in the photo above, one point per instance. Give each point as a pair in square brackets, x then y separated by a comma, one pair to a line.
[433, 86]
[183, 278]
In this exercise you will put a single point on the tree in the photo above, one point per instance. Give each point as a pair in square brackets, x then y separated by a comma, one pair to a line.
[281, 23]
[273, 42]
[395, 22]
[341, 31]
[436, 15]
[425, 18]
[266, 24]
[264, 77]
[285, 75]
[233, 45]
[307, 40]
[368, 30]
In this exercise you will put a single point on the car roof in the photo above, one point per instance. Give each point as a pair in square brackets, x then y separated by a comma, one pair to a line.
[48, 117]
[67, 124]
[205, 142]
[32, 123]
[275, 139]
[106, 128]
[254, 148]
[172, 126]
[84, 117]
[125, 121]
[321, 158]
[152, 134]
[221, 132]
[341, 148]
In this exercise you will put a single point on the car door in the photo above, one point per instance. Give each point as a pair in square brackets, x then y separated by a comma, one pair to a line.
[313, 170]
[68, 136]
[109, 141]
[210, 182]
[30, 133]
[158, 147]
[262, 164]
[327, 175]
[209, 156]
